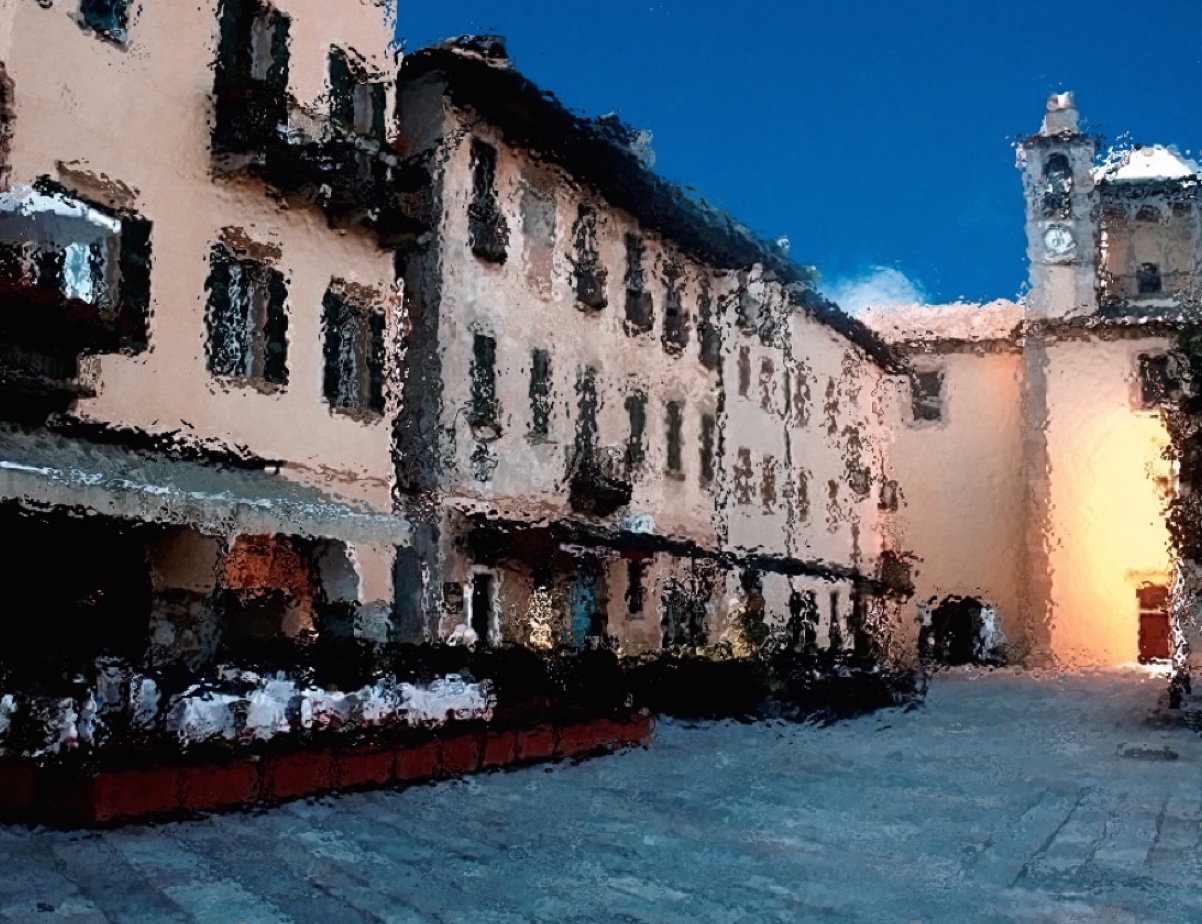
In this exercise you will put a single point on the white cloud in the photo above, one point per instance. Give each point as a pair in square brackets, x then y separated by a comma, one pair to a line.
[880, 285]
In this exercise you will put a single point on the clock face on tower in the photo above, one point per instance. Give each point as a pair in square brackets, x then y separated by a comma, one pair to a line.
[1058, 239]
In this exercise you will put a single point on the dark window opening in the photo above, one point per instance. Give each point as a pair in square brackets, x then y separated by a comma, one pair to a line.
[639, 307]
[767, 383]
[768, 484]
[540, 394]
[747, 307]
[709, 333]
[709, 433]
[482, 608]
[1158, 381]
[109, 18]
[251, 79]
[1057, 186]
[801, 630]
[247, 320]
[487, 227]
[683, 621]
[357, 103]
[587, 604]
[590, 275]
[636, 575]
[484, 410]
[836, 629]
[676, 327]
[744, 474]
[1154, 635]
[888, 500]
[354, 355]
[675, 421]
[1148, 280]
[926, 393]
[636, 413]
[744, 371]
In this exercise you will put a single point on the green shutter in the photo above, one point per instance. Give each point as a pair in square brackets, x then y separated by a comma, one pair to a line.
[275, 331]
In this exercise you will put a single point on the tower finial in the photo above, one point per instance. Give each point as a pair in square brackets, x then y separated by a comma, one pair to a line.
[1061, 116]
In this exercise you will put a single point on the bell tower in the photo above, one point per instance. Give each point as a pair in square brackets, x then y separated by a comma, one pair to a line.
[1062, 214]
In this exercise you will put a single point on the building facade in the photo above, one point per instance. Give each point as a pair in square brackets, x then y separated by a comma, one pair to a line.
[632, 423]
[302, 343]
[1030, 443]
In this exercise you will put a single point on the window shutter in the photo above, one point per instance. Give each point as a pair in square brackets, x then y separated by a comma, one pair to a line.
[331, 325]
[379, 100]
[375, 361]
[275, 331]
[133, 294]
[342, 107]
[222, 351]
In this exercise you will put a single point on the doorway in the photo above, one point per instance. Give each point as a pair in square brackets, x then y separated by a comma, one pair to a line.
[1154, 638]
[482, 597]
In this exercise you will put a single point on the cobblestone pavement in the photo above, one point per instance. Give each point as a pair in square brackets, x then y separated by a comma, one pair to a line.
[1003, 798]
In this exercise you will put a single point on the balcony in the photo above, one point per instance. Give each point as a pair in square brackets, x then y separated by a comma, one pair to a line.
[353, 177]
[73, 280]
[599, 479]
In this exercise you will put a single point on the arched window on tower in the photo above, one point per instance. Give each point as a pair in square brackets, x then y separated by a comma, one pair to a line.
[1057, 185]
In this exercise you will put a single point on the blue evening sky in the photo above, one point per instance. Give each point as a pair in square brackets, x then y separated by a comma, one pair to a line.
[870, 133]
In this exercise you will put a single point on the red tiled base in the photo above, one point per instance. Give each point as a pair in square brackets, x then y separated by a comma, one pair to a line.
[537, 743]
[366, 767]
[417, 763]
[288, 776]
[134, 793]
[500, 749]
[459, 755]
[213, 786]
[27, 791]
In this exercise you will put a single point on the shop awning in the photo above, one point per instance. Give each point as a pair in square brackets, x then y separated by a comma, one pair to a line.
[40, 468]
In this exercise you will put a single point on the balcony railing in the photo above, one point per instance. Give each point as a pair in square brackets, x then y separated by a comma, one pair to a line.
[300, 151]
[600, 481]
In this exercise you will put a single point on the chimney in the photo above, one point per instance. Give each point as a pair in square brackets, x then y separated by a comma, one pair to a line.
[1061, 117]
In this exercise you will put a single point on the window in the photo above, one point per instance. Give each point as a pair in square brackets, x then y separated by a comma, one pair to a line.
[744, 371]
[487, 228]
[251, 74]
[636, 412]
[586, 418]
[709, 433]
[744, 487]
[1147, 278]
[675, 424]
[709, 334]
[768, 484]
[357, 104]
[590, 275]
[246, 319]
[767, 383]
[1158, 380]
[354, 355]
[636, 574]
[109, 18]
[747, 307]
[926, 395]
[676, 330]
[639, 308]
[540, 394]
[1057, 185]
[483, 411]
